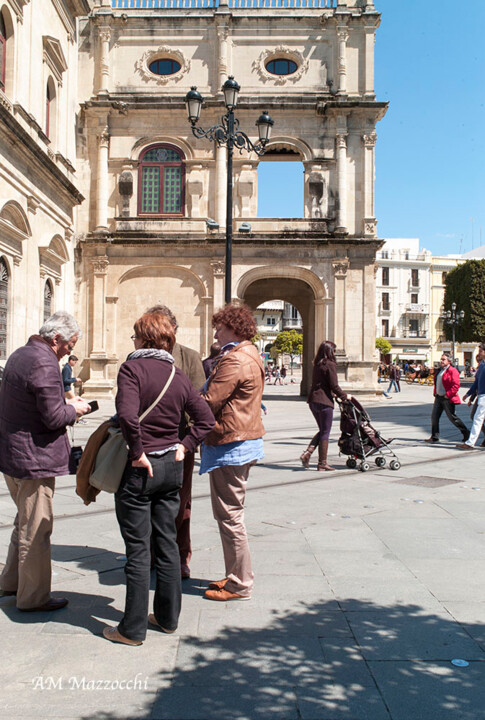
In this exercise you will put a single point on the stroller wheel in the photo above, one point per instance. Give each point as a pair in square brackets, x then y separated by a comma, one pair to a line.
[380, 461]
[351, 463]
[364, 466]
[394, 464]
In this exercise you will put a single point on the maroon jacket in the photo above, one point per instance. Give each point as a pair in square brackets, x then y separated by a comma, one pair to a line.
[325, 384]
[34, 414]
[140, 381]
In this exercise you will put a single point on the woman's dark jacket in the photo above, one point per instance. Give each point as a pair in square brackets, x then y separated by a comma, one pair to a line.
[34, 414]
[325, 384]
[140, 381]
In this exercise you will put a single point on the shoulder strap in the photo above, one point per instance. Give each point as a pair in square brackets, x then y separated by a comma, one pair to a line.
[164, 390]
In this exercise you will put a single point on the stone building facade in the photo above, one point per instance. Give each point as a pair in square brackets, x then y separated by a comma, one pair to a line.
[39, 192]
[150, 185]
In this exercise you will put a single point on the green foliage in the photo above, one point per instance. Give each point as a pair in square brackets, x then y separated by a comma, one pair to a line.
[383, 345]
[465, 285]
[289, 342]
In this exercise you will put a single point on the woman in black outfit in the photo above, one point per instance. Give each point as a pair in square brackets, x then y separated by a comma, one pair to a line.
[324, 387]
[147, 501]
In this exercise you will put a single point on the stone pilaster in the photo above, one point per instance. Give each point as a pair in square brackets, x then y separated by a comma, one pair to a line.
[104, 35]
[221, 186]
[342, 36]
[102, 180]
[340, 268]
[98, 384]
[370, 223]
[218, 270]
[223, 48]
[341, 151]
[370, 39]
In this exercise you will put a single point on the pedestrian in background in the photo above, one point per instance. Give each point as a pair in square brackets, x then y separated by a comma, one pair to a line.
[478, 389]
[321, 400]
[34, 449]
[68, 378]
[209, 362]
[445, 390]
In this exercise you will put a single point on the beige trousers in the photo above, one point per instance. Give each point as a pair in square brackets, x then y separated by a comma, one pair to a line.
[28, 566]
[228, 490]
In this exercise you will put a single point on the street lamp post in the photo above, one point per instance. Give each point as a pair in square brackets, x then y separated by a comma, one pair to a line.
[453, 318]
[227, 133]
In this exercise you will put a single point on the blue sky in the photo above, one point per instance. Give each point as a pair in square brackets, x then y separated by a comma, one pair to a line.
[430, 153]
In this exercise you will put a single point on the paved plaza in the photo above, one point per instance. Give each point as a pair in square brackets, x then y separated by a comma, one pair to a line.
[368, 586]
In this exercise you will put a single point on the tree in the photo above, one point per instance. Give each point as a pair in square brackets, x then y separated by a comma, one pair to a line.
[465, 285]
[383, 345]
[291, 343]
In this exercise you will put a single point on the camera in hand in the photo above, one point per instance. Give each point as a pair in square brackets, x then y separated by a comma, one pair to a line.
[93, 405]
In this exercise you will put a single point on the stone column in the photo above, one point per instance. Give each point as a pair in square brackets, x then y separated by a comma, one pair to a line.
[111, 324]
[218, 270]
[223, 47]
[98, 384]
[104, 35]
[340, 267]
[221, 186]
[102, 178]
[343, 36]
[370, 223]
[321, 331]
[341, 140]
[370, 39]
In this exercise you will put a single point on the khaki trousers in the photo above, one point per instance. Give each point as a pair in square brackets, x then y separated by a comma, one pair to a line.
[228, 490]
[28, 566]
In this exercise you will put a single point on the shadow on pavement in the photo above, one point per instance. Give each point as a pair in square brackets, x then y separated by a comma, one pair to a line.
[366, 663]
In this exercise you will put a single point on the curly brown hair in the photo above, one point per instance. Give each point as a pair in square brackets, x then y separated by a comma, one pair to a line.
[155, 330]
[239, 318]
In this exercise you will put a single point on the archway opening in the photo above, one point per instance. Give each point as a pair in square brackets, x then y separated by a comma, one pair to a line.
[297, 293]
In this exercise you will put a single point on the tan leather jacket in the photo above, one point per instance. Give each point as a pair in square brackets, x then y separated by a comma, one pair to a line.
[234, 395]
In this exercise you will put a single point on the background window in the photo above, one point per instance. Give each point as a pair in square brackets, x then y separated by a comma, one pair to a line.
[385, 301]
[160, 181]
[164, 66]
[385, 328]
[385, 276]
[414, 298]
[3, 51]
[281, 67]
[47, 300]
[414, 277]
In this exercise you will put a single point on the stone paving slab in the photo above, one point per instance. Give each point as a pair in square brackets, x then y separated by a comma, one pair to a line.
[366, 588]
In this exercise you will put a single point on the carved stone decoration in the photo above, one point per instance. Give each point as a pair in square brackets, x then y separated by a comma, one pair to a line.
[125, 188]
[370, 227]
[259, 65]
[141, 65]
[369, 140]
[318, 193]
[32, 204]
[341, 139]
[100, 265]
[340, 268]
[218, 268]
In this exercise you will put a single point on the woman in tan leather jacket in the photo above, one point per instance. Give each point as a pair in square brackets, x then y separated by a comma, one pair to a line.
[234, 391]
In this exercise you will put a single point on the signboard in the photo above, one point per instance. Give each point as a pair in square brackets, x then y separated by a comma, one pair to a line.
[410, 350]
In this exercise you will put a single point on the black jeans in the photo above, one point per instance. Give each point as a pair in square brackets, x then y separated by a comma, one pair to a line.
[441, 403]
[148, 506]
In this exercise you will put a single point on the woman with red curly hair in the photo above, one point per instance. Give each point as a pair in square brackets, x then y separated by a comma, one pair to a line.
[234, 391]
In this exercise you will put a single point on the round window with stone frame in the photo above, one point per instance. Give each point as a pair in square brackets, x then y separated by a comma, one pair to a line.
[281, 66]
[163, 65]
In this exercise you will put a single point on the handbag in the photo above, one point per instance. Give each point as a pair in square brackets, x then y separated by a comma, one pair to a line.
[75, 458]
[112, 456]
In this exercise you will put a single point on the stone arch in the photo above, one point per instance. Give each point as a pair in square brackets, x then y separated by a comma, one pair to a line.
[52, 257]
[176, 286]
[287, 142]
[303, 289]
[13, 213]
[145, 142]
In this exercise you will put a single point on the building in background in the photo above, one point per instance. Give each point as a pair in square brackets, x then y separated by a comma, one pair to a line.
[39, 188]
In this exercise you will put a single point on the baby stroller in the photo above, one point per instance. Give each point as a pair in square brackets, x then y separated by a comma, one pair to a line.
[360, 440]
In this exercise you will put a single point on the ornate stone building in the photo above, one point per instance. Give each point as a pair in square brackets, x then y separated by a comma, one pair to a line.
[150, 185]
[38, 188]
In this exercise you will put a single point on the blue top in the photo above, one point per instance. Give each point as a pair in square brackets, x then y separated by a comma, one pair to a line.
[67, 377]
[239, 452]
[478, 387]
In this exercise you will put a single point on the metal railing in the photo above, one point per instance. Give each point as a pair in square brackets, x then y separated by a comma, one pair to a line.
[204, 4]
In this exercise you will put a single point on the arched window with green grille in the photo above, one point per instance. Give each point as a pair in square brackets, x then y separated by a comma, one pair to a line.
[161, 181]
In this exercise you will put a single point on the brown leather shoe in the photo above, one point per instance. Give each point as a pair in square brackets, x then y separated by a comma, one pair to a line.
[185, 571]
[431, 440]
[153, 621]
[223, 595]
[217, 584]
[113, 634]
[464, 446]
[52, 604]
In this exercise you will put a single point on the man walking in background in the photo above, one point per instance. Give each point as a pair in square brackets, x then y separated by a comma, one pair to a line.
[478, 389]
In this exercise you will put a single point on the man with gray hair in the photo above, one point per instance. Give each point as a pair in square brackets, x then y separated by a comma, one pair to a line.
[34, 449]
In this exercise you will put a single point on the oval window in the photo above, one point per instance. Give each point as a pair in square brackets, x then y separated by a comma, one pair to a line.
[164, 66]
[281, 67]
